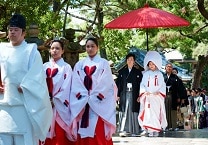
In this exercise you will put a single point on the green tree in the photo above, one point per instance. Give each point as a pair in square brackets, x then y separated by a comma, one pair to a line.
[53, 17]
[38, 12]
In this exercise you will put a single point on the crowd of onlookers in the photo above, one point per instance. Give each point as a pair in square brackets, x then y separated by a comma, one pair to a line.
[193, 114]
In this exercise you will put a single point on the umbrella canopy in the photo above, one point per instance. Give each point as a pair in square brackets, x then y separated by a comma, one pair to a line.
[147, 17]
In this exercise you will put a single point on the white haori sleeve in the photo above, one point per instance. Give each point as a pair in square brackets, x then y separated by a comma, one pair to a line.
[61, 92]
[162, 85]
[143, 86]
[106, 108]
[78, 90]
[77, 106]
[143, 83]
[35, 96]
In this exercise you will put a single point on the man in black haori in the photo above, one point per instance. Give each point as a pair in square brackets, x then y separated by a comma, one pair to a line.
[174, 96]
[128, 83]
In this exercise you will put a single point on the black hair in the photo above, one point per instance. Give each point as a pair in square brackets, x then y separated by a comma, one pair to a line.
[175, 69]
[148, 63]
[60, 42]
[93, 39]
[131, 55]
[195, 90]
[199, 89]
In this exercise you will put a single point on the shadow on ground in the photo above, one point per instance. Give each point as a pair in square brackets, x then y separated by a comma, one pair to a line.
[200, 133]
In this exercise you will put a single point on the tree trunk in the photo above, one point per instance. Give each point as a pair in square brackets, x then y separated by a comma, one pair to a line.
[100, 16]
[202, 60]
[202, 9]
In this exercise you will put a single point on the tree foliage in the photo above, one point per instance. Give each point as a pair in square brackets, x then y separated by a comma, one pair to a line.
[54, 16]
[38, 12]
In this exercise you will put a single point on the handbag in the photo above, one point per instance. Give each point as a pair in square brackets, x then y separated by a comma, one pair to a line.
[184, 109]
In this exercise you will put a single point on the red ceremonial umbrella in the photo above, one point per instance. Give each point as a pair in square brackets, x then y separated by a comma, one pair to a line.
[146, 17]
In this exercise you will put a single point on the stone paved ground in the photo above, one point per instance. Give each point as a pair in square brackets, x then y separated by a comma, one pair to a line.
[181, 137]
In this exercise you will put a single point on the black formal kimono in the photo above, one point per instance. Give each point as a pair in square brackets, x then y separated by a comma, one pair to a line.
[128, 105]
[174, 93]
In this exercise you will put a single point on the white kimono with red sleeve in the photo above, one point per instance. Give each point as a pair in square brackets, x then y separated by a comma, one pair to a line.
[28, 113]
[60, 94]
[103, 86]
[152, 114]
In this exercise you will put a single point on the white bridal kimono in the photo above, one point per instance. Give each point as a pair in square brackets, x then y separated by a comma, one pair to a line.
[152, 115]
[29, 113]
[103, 84]
[61, 91]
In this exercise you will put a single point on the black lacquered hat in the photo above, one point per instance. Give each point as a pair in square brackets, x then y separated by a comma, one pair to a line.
[17, 20]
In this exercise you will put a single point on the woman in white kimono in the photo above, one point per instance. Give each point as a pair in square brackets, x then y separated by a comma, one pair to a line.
[92, 99]
[58, 77]
[152, 116]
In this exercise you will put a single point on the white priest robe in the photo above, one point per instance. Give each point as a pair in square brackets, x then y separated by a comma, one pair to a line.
[28, 113]
[60, 95]
[103, 84]
[152, 114]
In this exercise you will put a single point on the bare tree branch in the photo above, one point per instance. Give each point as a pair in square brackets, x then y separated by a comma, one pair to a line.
[200, 29]
[81, 18]
[195, 33]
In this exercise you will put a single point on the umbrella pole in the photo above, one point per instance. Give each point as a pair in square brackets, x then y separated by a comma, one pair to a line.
[147, 39]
